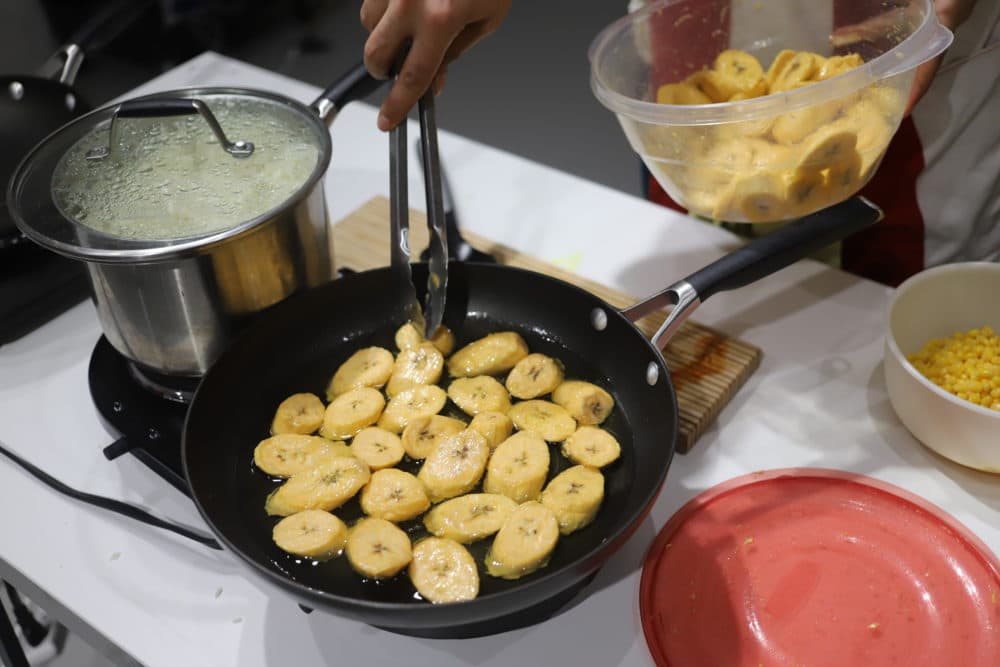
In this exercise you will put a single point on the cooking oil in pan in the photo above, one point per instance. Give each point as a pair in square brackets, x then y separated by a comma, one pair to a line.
[336, 575]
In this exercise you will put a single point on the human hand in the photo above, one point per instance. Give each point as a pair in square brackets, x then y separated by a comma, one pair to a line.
[951, 14]
[439, 31]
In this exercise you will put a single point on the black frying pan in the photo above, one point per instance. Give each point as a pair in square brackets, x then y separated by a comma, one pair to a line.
[298, 344]
[32, 106]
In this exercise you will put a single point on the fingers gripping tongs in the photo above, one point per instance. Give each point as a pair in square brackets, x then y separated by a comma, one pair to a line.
[429, 318]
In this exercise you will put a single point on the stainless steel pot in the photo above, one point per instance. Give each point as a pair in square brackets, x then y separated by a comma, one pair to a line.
[188, 211]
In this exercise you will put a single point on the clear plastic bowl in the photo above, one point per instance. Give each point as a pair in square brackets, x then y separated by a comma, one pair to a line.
[783, 155]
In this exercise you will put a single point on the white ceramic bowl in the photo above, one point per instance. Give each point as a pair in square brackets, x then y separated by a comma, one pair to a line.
[935, 304]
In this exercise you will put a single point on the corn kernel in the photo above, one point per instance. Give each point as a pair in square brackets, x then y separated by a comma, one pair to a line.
[964, 364]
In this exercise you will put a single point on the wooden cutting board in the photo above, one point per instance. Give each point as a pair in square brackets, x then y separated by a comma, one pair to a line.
[707, 366]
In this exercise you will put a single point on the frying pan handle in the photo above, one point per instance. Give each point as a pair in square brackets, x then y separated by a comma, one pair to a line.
[355, 85]
[774, 252]
[110, 22]
[164, 107]
[72, 56]
[757, 259]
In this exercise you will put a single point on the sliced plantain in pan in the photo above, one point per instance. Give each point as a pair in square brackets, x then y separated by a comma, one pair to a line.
[352, 411]
[394, 495]
[455, 466]
[534, 376]
[443, 570]
[584, 401]
[524, 543]
[592, 446]
[469, 518]
[369, 367]
[377, 447]
[491, 355]
[574, 496]
[325, 487]
[285, 454]
[311, 533]
[479, 394]
[518, 467]
[408, 337]
[422, 435]
[378, 549]
[552, 422]
[415, 366]
[299, 413]
[495, 426]
[420, 401]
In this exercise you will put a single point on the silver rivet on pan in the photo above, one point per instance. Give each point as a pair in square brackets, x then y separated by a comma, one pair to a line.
[652, 373]
[70, 101]
[16, 90]
[599, 319]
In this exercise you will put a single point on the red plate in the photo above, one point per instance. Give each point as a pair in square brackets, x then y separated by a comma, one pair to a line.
[819, 568]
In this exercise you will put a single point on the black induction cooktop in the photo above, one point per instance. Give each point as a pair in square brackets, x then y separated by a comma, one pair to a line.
[145, 411]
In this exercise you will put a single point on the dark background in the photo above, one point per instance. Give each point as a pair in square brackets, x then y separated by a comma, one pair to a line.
[525, 89]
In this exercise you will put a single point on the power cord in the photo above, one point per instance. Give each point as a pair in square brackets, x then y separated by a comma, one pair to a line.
[109, 504]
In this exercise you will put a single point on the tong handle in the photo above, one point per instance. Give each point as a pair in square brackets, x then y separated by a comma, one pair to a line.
[399, 207]
[437, 276]
[433, 185]
[399, 228]
[399, 212]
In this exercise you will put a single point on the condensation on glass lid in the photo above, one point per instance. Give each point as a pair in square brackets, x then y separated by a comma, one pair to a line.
[168, 178]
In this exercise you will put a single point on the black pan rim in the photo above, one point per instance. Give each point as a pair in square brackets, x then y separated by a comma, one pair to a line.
[10, 233]
[583, 565]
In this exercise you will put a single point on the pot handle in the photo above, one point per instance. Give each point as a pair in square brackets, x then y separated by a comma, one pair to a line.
[163, 107]
[757, 259]
[355, 85]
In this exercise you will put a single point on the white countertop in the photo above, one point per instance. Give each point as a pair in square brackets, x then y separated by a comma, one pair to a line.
[818, 399]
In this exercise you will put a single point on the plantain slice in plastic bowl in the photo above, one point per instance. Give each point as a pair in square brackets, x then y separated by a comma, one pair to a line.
[837, 65]
[681, 93]
[739, 65]
[827, 146]
[844, 177]
[794, 126]
[716, 86]
[800, 69]
[757, 197]
[806, 191]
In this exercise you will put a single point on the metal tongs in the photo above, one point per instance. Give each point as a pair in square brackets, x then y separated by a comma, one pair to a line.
[429, 318]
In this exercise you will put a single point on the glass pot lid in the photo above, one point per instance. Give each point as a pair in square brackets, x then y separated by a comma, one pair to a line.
[167, 175]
